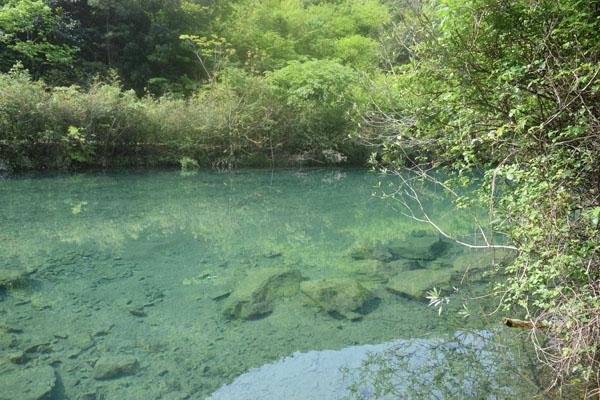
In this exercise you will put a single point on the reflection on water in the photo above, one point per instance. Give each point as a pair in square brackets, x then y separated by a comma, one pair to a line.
[467, 365]
[159, 285]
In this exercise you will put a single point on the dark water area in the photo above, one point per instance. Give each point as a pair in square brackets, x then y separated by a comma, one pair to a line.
[168, 285]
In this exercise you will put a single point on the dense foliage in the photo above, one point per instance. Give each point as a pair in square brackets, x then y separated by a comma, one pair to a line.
[147, 83]
[512, 88]
[242, 120]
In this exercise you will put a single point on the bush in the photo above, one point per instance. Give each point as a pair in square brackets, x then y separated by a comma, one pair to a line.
[524, 105]
[240, 120]
[319, 96]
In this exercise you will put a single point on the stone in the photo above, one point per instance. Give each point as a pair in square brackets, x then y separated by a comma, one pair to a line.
[369, 271]
[103, 328]
[138, 312]
[377, 252]
[12, 277]
[254, 297]
[218, 293]
[113, 367]
[419, 245]
[37, 345]
[36, 383]
[248, 308]
[343, 297]
[415, 284]
[61, 334]
[18, 357]
[79, 343]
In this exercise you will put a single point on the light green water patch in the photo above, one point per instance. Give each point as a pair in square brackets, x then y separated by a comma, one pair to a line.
[160, 285]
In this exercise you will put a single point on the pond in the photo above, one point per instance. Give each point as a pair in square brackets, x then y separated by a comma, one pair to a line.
[170, 285]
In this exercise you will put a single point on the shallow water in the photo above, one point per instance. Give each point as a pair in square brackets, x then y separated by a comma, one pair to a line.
[144, 264]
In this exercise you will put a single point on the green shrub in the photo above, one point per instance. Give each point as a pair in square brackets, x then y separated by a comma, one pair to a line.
[298, 112]
[524, 105]
[319, 96]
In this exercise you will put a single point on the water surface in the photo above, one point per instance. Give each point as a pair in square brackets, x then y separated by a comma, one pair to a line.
[143, 265]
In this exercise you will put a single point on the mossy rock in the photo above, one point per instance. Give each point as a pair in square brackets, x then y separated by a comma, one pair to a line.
[217, 293]
[343, 297]
[37, 383]
[376, 252]
[370, 272]
[13, 277]
[420, 246]
[112, 367]
[255, 295]
[415, 284]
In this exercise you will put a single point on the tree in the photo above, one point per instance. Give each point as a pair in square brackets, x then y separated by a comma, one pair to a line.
[268, 34]
[319, 94]
[30, 34]
[512, 87]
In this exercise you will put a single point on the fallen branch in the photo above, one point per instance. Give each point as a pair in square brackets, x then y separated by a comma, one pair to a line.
[518, 323]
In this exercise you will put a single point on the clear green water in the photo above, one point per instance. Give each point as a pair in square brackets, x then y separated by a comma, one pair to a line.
[140, 264]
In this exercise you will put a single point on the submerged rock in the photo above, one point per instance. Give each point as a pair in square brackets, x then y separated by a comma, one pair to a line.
[218, 293]
[255, 295]
[112, 367]
[138, 312]
[343, 297]
[423, 246]
[377, 252]
[415, 283]
[18, 357]
[419, 245]
[36, 383]
[375, 272]
[12, 277]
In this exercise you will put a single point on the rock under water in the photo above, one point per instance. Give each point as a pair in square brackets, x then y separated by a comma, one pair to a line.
[10, 277]
[414, 284]
[112, 367]
[36, 383]
[254, 297]
[339, 296]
